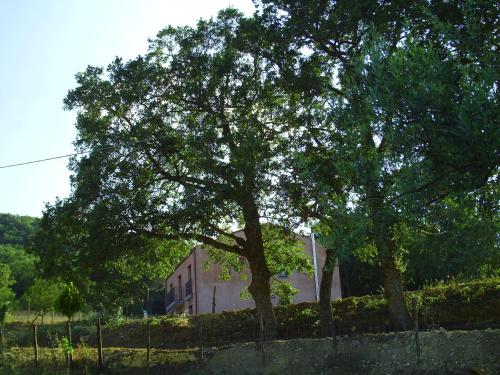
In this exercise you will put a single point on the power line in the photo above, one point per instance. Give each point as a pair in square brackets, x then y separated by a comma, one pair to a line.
[39, 160]
[57, 157]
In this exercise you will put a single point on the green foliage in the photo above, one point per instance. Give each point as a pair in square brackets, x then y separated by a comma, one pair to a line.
[284, 254]
[16, 233]
[69, 301]
[22, 265]
[3, 312]
[6, 282]
[125, 268]
[284, 290]
[44, 294]
[186, 141]
[457, 238]
[441, 305]
[17, 230]
[66, 347]
[6, 293]
[393, 108]
[398, 108]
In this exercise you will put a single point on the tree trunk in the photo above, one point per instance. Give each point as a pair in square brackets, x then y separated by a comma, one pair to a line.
[325, 292]
[393, 293]
[260, 287]
[392, 281]
[100, 359]
[260, 290]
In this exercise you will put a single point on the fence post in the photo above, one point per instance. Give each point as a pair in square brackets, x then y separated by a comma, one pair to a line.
[261, 325]
[100, 360]
[417, 341]
[148, 342]
[334, 337]
[213, 300]
[35, 345]
[202, 354]
[70, 340]
[2, 343]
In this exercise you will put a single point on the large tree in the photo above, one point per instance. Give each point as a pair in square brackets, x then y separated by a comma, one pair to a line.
[402, 98]
[183, 143]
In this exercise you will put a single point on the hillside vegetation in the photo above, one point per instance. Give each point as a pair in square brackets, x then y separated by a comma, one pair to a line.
[451, 306]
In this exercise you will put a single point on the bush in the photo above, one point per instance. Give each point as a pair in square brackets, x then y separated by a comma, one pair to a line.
[452, 306]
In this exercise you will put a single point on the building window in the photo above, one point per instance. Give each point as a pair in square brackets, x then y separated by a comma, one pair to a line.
[190, 309]
[189, 272]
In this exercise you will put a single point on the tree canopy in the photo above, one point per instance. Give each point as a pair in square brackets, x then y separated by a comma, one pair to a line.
[182, 143]
[364, 119]
[399, 106]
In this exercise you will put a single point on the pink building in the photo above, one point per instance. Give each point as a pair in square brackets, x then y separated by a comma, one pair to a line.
[190, 288]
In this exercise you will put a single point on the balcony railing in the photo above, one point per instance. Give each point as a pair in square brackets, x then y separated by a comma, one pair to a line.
[188, 289]
[174, 297]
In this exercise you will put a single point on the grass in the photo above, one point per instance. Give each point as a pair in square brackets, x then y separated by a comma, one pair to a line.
[117, 361]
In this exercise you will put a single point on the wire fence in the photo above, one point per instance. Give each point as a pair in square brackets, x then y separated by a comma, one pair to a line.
[200, 335]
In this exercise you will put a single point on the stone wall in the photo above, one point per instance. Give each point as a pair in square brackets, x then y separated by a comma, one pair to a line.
[447, 352]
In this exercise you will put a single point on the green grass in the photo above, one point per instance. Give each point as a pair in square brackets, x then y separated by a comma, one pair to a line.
[117, 360]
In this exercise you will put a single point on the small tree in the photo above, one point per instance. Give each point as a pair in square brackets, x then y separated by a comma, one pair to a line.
[69, 303]
[43, 295]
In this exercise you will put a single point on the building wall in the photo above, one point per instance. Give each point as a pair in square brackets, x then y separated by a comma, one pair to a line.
[227, 295]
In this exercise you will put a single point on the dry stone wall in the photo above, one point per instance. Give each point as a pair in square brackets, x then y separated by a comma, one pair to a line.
[444, 352]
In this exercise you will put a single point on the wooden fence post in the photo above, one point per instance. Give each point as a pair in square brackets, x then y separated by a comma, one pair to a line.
[70, 356]
[148, 342]
[202, 354]
[100, 360]
[261, 325]
[417, 340]
[2, 343]
[334, 338]
[35, 345]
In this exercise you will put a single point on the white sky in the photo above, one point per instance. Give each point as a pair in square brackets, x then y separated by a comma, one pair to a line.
[43, 44]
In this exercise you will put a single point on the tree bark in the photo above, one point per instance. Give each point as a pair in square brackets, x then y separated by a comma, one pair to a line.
[260, 290]
[392, 280]
[260, 287]
[325, 292]
[100, 359]
[393, 293]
